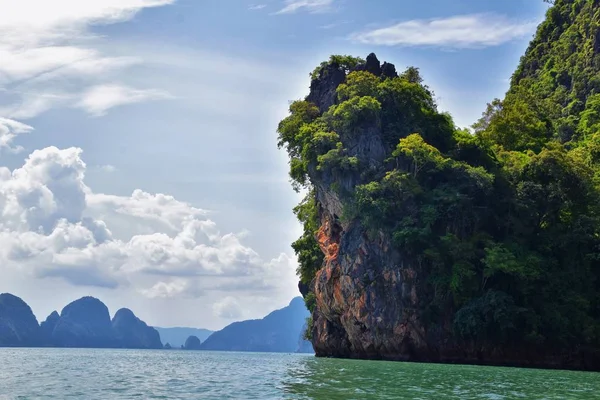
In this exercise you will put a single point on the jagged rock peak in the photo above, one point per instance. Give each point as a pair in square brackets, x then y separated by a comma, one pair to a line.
[329, 75]
[373, 65]
[388, 70]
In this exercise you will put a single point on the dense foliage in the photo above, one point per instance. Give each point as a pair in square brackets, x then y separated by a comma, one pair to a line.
[504, 221]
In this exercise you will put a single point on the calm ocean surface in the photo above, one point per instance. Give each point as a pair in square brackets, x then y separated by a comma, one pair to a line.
[129, 374]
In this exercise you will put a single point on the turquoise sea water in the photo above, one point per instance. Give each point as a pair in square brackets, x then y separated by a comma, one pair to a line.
[132, 374]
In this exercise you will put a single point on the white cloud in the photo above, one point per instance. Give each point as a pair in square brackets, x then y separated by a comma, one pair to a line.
[165, 290]
[22, 64]
[228, 308]
[257, 7]
[160, 208]
[42, 43]
[463, 31]
[34, 21]
[52, 225]
[313, 6]
[99, 99]
[9, 130]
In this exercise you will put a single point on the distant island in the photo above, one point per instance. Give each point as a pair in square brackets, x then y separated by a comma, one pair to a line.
[176, 336]
[280, 331]
[86, 323]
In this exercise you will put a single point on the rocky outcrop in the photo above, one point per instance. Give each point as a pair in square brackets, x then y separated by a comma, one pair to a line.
[277, 332]
[365, 293]
[371, 299]
[18, 325]
[322, 89]
[84, 323]
[133, 333]
[192, 343]
[367, 298]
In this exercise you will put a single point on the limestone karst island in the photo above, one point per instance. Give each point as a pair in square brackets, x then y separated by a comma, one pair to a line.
[426, 242]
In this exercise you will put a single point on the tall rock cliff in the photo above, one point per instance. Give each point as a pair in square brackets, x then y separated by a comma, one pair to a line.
[367, 294]
[426, 242]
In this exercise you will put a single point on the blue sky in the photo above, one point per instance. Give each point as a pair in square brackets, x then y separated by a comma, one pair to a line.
[138, 137]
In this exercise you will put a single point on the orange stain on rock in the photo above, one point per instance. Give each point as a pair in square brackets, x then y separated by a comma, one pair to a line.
[361, 305]
[328, 245]
[337, 293]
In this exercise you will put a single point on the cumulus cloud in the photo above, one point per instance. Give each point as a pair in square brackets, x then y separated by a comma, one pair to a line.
[99, 99]
[53, 225]
[160, 208]
[463, 31]
[40, 48]
[312, 6]
[228, 308]
[171, 289]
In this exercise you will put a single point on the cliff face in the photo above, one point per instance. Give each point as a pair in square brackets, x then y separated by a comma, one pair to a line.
[425, 242]
[367, 296]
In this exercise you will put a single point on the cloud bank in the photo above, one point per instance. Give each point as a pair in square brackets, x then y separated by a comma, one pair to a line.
[54, 226]
[463, 31]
